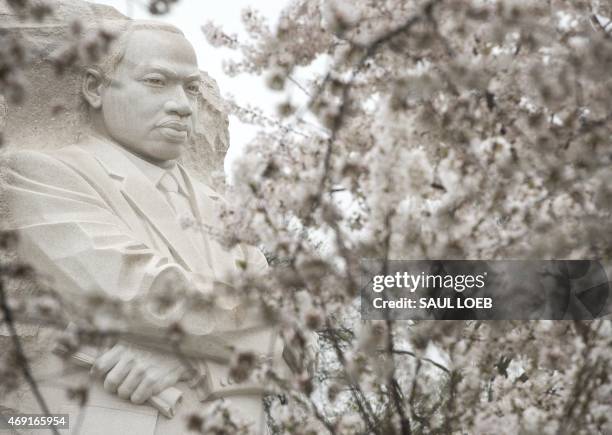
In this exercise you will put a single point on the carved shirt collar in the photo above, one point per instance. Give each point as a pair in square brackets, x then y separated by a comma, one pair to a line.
[154, 172]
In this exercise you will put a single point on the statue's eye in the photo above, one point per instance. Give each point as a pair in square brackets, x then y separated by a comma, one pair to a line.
[154, 81]
[193, 88]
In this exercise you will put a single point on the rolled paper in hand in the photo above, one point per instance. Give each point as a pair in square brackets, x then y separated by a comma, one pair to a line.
[165, 402]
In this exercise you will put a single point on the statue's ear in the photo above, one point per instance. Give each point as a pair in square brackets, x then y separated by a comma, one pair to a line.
[93, 86]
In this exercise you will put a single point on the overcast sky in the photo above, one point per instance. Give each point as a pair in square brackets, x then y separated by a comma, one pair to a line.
[189, 16]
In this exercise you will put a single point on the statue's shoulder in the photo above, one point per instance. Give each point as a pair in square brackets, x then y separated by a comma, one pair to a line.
[29, 161]
[47, 167]
[24, 159]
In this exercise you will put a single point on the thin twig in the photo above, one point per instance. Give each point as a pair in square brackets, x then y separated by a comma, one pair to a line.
[21, 357]
[392, 382]
[407, 352]
[299, 85]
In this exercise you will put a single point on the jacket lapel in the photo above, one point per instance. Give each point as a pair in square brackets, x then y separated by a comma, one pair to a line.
[90, 169]
[149, 202]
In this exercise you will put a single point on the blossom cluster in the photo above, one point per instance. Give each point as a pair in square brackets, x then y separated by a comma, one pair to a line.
[450, 130]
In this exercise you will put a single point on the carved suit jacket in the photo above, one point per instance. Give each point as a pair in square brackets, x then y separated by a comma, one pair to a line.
[93, 222]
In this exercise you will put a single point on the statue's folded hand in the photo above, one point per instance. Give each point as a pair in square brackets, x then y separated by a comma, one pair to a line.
[136, 374]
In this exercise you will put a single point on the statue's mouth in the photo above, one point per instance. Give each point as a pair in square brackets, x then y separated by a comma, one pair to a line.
[175, 125]
[174, 131]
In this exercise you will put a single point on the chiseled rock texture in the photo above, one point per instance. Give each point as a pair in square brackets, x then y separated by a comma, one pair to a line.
[53, 114]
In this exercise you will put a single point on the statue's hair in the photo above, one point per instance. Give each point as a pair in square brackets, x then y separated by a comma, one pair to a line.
[123, 30]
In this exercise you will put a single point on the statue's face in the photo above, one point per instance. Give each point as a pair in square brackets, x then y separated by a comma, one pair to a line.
[150, 104]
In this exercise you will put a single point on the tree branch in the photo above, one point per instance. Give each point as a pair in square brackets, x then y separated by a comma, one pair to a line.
[21, 357]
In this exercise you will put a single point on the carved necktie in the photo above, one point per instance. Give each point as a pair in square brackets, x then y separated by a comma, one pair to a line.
[177, 199]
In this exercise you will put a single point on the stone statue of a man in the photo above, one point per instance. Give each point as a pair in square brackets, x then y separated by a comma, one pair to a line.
[116, 214]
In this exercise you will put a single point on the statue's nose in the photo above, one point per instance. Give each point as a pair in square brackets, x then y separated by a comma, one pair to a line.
[179, 103]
